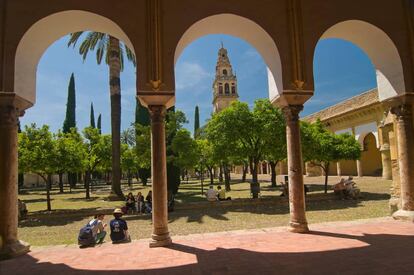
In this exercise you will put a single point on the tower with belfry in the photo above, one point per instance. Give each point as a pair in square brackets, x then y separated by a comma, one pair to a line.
[225, 82]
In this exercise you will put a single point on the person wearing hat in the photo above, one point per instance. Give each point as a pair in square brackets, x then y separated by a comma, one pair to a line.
[119, 228]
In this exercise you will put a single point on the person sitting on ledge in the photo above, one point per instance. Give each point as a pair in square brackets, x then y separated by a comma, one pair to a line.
[119, 228]
[222, 194]
[211, 194]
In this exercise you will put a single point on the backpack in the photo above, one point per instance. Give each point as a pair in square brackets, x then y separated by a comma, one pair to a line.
[85, 237]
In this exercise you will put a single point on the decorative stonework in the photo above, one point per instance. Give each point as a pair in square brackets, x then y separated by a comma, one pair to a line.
[9, 116]
[157, 113]
[402, 112]
[291, 112]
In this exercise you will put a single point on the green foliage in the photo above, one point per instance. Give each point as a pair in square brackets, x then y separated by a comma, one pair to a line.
[141, 114]
[70, 152]
[196, 122]
[321, 147]
[98, 150]
[99, 124]
[143, 146]
[92, 117]
[128, 136]
[37, 151]
[100, 42]
[185, 150]
[237, 133]
[70, 119]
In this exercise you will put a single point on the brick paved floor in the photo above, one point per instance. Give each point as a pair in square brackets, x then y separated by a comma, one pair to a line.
[380, 246]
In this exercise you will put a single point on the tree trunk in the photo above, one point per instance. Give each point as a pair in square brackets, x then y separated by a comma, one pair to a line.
[226, 177]
[211, 172]
[326, 169]
[273, 172]
[245, 168]
[60, 183]
[129, 178]
[221, 174]
[48, 187]
[115, 90]
[87, 184]
[20, 182]
[254, 172]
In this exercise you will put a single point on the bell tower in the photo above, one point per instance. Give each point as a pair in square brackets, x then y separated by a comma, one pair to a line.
[225, 83]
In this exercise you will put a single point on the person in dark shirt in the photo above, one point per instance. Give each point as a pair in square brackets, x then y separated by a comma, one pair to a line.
[148, 203]
[130, 203]
[119, 228]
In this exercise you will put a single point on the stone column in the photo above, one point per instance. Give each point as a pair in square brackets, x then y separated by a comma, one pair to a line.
[359, 168]
[385, 151]
[298, 223]
[338, 169]
[10, 246]
[160, 234]
[386, 161]
[405, 145]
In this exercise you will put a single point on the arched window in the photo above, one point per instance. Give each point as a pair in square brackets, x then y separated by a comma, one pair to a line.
[224, 72]
[233, 89]
[220, 88]
[226, 88]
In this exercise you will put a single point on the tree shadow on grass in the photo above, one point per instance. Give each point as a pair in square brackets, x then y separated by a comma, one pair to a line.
[374, 254]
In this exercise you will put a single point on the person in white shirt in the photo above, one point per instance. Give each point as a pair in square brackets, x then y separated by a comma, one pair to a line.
[211, 194]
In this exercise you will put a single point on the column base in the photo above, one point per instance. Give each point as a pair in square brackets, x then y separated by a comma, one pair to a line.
[14, 249]
[394, 204]
[160, 240]
[296, 227]
[404, 215]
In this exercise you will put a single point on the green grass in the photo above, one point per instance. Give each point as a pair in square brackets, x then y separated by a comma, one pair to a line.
[61, 227]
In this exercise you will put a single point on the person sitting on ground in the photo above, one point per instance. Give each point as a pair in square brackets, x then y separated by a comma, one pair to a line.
[222, 194]
[148, 203]
[119, 228]
[211, 194]
[98, 228]
[140, 202]
[22, 209]
[130, 203]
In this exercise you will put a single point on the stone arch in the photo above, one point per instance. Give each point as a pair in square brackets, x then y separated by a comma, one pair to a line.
[245, 29]
[370, 156]
[47, 30]
[380, 49]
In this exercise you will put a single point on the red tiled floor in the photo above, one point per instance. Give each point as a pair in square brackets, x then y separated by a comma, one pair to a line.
[380, 246]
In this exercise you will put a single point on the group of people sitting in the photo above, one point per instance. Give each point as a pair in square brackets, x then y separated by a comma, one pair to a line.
[216, 195]
[137, 204]
[94, 232]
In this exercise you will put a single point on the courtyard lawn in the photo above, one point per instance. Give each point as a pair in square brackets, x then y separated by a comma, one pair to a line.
[73, 211]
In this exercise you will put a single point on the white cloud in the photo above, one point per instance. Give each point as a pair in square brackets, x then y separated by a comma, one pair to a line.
[190, 75]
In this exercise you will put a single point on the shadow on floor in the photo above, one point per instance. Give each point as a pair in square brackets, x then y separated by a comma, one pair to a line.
[379, 254]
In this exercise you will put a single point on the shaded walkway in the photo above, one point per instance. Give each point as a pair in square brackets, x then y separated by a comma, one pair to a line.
[380, 246]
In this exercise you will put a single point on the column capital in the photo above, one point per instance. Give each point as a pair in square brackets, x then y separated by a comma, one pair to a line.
[157, 113]
[291, 112]
[11, 107]
[402, 112]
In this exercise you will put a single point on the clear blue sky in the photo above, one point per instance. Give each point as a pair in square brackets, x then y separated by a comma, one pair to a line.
[341, 71]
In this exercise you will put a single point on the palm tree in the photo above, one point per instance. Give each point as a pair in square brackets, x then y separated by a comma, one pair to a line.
[113, 50]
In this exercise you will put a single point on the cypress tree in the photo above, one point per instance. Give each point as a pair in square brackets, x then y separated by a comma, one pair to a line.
[142, 117]
[99, 124]
[141, 114]
[196, 122]
[70, 119]
[92, 117]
